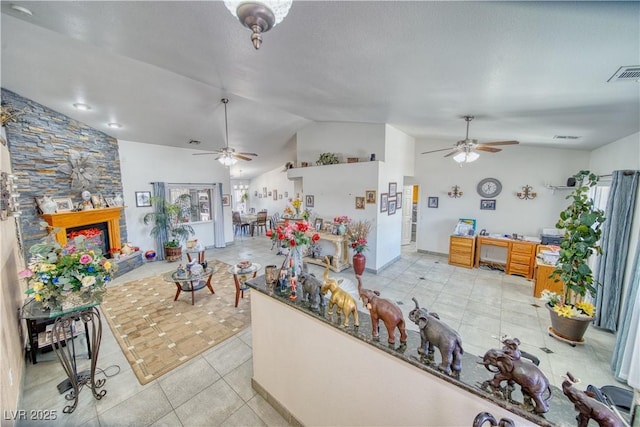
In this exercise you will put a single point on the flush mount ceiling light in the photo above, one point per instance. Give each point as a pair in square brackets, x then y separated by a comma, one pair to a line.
[114, 125]
[81, 106]
[259, 16]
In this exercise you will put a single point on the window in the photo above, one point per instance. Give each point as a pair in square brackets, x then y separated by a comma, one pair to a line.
[240, 198]
[194, 199]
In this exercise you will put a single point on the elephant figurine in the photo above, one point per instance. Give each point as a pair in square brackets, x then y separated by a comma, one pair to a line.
[507, 365]
[483, 417]
[340, 298]
[588, 407]
[311, 289]
[434, 332]
[385, 310]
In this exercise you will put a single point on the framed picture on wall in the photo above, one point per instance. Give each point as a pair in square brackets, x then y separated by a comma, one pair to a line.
[143, 198]
[309, 201]
[489, 205]
[392, 207]
[264, 191]
[318, 224]
[226, 200]
[359, 202]
[370, 196]
[432, 202]
[398, 200]
[275, 194]
[384, 200]
[65, 204]
[393, 188]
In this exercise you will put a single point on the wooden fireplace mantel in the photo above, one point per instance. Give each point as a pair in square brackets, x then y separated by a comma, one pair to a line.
[65, 220]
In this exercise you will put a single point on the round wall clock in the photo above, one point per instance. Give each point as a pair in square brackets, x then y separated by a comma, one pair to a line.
[489, 188]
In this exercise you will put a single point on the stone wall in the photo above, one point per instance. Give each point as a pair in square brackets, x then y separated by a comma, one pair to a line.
[39, 144]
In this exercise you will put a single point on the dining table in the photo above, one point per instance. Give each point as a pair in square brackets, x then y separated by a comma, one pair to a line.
[249, 219]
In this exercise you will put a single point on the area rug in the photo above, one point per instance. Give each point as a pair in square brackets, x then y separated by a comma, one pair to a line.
[158, 334]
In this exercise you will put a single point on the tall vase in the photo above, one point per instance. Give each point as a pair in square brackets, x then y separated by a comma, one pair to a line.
[342, 229]
[359, 262]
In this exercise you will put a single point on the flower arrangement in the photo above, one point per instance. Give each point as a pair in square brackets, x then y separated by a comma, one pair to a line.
[343, 220]
[292, 234]
[579, 309]
[55, 272]
[357, 233]
[297, 204]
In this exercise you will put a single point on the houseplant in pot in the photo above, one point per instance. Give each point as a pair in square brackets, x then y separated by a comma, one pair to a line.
[581, 222]
[357, 233]
[167, 219]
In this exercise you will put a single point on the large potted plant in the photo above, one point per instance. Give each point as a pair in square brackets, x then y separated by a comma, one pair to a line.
[167, 217]
[581, 222]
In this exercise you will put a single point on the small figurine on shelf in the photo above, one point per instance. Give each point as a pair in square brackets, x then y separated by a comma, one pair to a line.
[294, 285]
[181, 271]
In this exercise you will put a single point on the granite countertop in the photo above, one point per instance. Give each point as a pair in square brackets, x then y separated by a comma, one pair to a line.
[472, 375]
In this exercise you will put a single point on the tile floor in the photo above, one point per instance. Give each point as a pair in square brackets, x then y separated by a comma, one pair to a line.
[214, 389]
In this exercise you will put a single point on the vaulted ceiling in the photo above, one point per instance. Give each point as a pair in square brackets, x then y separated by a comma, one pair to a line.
[527, 70]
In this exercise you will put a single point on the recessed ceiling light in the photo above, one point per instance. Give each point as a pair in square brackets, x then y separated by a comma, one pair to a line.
[21, 9]
[81, 106]
[114, 125]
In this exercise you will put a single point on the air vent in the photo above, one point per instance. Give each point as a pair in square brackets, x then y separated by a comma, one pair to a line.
[194, 142]
[626, 73]
[565, 137]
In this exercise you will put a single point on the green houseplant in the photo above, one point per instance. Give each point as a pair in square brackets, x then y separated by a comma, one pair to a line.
[581, 222]
[167, 217]
[327, 159]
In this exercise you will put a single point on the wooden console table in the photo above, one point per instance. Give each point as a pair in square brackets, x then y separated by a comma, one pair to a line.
[340, 255]
[521, 254]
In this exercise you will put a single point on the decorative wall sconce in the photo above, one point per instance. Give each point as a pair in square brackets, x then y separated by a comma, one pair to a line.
[527, 193]
[8, 196]
[455, 192]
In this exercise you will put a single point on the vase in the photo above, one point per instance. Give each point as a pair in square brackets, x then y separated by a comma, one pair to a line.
[118, 200]
[568, 328]
[342, 229]
[359, 262]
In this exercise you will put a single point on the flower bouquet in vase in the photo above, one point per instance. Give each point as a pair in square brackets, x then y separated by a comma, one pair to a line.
[356, 234]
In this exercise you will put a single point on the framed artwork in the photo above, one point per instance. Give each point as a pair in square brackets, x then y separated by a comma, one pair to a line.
[318, 224]
[109, 202]
[327, 227]
[270, 193]
[370, 196]
[432, 202]
[393, 188]
[143, 198]
[275, 194]
[264, 191]
[226, 200]
[65, 204]
[260, 196]
[398, 201]
[279, 196]
[384, 200]
[392, 207]
[96, 201]
[255, 194]
[489, 205]
[286, 194]
[309, 201]
[359, 202]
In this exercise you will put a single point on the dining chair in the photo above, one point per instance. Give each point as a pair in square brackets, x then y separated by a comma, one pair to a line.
[238, 224]
[261, 221]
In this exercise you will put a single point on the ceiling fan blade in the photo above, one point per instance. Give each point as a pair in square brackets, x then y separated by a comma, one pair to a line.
[240, 156]
[204, 154]
[435, 151]
[455, 151]
[489, 149]
[500, 143]
[248, 154]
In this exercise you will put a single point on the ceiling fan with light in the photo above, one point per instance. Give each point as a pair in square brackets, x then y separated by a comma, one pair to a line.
[227, 155]
[464, 151]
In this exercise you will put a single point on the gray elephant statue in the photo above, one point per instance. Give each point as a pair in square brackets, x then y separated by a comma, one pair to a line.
[434, 332]
[588, 407]
[507, 365]
[385, 310]
[311, 289]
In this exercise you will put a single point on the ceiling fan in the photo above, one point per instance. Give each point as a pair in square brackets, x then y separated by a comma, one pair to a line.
[465, 150]
[227, 155]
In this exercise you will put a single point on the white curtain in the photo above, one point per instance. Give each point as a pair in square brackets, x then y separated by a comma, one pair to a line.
[218, 216]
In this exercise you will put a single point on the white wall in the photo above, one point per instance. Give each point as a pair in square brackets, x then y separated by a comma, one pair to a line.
[141, 164]
[275, 179]
[515, 167]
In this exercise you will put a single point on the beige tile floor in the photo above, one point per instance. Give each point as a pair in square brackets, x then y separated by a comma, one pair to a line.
[214, 389]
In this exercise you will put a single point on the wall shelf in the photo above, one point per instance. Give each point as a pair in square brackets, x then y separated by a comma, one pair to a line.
[553, 188]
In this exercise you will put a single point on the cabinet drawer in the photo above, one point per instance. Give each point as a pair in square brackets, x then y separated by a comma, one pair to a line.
[460, 259]
[520, 269]
[461, 242]
[517, 258]
[523, 248]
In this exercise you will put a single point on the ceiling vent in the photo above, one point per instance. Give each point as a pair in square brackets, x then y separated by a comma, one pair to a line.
[629, 73]
[565, 137]
[194, 142]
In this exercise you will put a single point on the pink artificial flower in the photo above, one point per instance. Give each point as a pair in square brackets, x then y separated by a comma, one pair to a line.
[26, 273]
[85, 259]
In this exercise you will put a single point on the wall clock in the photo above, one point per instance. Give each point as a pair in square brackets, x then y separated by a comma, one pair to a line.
[489, 188]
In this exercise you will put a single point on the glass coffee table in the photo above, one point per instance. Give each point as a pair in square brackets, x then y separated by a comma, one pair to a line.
[191, 282]
[240, 275]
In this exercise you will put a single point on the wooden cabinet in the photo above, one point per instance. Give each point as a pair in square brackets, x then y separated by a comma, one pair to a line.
[521, 259]
[462, 250]
[544, 281]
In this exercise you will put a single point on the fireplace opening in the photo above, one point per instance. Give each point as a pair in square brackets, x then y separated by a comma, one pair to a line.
[98, 234]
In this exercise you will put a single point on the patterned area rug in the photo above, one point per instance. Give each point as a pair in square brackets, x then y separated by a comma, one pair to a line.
[157, 334]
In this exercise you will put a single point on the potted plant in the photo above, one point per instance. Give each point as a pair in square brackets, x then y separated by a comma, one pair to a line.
[166, 218]
[581, 222]
[327, 159]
